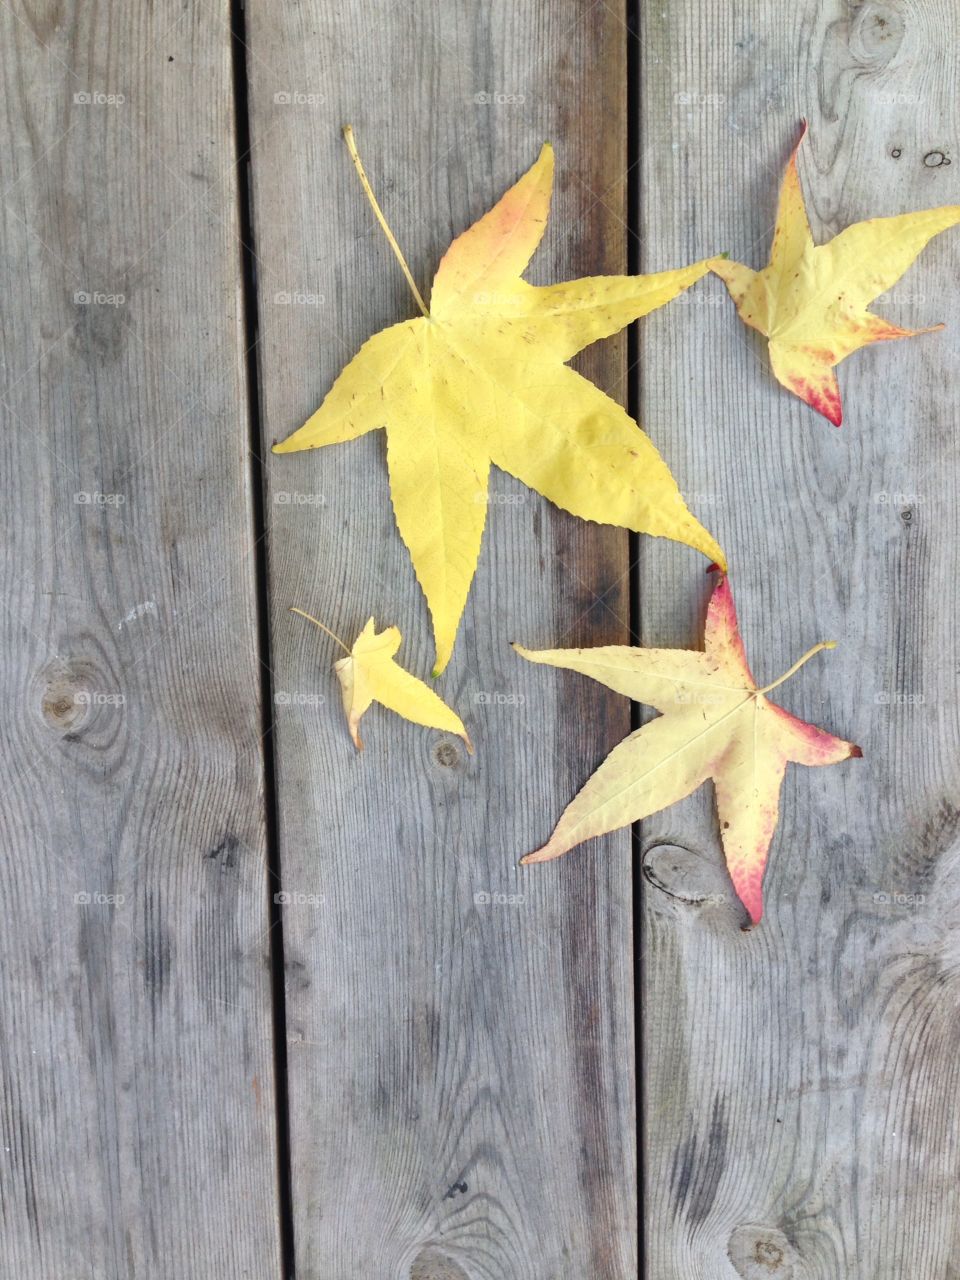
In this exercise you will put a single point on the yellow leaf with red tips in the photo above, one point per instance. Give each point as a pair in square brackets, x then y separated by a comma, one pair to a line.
[811, 300]
[482, 378]
[714, 723]
[369, 674]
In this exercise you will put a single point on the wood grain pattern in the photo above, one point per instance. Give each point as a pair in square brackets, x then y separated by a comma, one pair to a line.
[461, 1070]
[800, 1078]
[136, 1090]
[461, 1031]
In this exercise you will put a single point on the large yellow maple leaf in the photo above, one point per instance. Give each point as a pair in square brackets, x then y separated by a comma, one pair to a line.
[482, 378]
[714, 723]
[811, 300]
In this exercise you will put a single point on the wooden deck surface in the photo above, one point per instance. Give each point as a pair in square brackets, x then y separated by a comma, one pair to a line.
[269, 1008]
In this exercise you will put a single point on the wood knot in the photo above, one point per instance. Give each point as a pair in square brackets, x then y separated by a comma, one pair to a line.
[430, 1264]
[225, 854]
[446, 754]
[62, 702]
[768, 1254]
[74, 696]
[686, 876]
[877, 34]
[935, 159]
[759, 1253]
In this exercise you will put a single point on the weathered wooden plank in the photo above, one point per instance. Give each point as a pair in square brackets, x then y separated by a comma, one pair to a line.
[461, 1071]
[801, 1077]
[136, 1090]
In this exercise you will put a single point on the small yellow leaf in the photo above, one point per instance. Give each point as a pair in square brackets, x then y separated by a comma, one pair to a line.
[714, 723]
[369, 674]
[483, 379]
[811, 300]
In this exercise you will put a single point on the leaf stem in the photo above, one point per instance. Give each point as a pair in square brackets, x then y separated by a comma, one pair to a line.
[319, 624]
[817, 648]
[368, 192]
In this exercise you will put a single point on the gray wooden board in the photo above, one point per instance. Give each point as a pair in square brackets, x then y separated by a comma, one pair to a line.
[801, 1078]
[461, 1072]
[136, 1089]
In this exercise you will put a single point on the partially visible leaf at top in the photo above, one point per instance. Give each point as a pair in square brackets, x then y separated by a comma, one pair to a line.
[811, 300]
[369, 674]
[482, 378]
